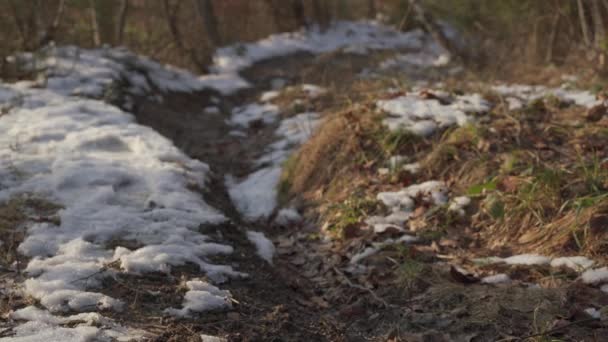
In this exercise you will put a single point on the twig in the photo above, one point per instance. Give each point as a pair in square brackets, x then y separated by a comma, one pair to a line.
[360, 287]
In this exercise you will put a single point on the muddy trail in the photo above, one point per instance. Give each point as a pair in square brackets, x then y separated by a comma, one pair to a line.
[311, 292]
[361, 187]
[275, 303]
[303, 296]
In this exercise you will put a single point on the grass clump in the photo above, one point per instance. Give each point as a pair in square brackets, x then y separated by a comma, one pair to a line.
[350, 213]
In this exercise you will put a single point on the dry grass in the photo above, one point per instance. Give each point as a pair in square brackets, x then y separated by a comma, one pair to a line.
[14, 215]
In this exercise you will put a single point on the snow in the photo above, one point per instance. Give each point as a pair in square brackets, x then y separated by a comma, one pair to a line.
[420, 59]
[496, 279]
[287, 216]
[114, 179]
[201, 297]
[244, 116]
[424, 116]
[518, 94]
[593, 312]
[74, 71]
[378, 246]
[348, 35]
[209, 338]
[41, 325]
[595, 276]
[255, 196]
[270, 95]
[313, 91]
[577, 263]
[527, 259]
[401, 203]
[264, 247]
[458, 204]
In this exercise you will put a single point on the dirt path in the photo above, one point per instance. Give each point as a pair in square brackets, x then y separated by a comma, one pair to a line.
[307, 295]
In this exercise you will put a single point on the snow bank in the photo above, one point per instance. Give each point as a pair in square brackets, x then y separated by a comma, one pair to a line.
[401, 203]
[115, 180]
[356, 36]
[264, 247]
[201, 297]
[244, 116]
[599, 275]
[255, 195]
[517, 93]
[423, 116]
[75, 71]
[42, 326]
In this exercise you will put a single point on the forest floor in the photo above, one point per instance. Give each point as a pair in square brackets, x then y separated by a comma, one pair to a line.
[488, 224]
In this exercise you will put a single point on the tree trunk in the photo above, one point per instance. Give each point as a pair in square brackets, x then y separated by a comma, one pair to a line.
[171, 18]
[599, 33]
[94, 24]
[122, 20]
[552, 38]
[583, 21]
[50, 32]
[297, 7]
[433, 28]
[321, 13]
[207, 14]
[371, 9]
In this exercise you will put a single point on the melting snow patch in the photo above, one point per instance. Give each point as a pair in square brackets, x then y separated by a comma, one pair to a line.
[401, 204]
[527, 259]
[255, 196]
[593, 312]
[42, 326]
[313, 91]
[458, 204]
[209, 338]
[423, 116]
[598, 275]
[245, 115]
[202, 297]
[496, 279]
[527, 93]
[269, 95]
[577, 263]
[287, 216]
[264, 247]
[371, 35]
[377, 246]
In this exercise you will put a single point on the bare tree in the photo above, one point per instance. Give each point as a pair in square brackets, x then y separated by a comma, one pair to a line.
[49, 33]
[207, 14]
[434, 29]
[94, 23]
[321, 13]
[371, 9]
[171, 18]
[297, 6]
[122, 20]
[583, 21]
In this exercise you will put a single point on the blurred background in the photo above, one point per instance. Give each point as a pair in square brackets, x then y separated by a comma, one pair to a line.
[185, 33]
